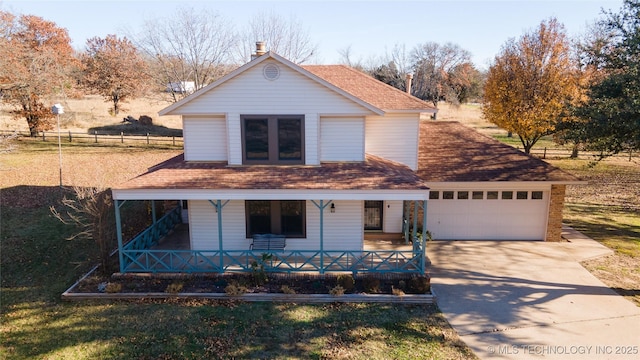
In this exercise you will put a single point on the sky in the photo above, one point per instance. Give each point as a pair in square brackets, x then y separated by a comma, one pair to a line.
[368, 28]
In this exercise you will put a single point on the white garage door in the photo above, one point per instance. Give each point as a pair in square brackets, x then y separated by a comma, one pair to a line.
[487, 215]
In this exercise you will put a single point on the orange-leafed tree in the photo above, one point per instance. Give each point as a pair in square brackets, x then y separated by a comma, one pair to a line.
[532, 83]
[36, 60]
[115, 69]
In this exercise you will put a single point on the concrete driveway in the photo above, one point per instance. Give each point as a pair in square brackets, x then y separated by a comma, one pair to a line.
[523, 300]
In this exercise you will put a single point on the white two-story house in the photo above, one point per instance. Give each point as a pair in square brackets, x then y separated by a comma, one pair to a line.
[326, 158]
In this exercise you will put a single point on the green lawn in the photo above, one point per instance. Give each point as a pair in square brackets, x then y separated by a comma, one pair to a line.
[38, 264]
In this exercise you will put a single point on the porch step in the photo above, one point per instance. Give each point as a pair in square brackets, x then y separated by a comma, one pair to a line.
[393, 238]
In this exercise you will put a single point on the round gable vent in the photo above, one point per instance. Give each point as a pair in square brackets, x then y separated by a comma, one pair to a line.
[271, 71]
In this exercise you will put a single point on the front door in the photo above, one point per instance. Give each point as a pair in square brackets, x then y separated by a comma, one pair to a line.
[373, 215]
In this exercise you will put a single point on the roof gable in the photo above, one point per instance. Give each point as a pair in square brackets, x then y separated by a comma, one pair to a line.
[201, 101]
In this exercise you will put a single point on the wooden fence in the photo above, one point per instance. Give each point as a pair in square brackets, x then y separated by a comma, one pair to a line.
[560, 153]
[97, 138]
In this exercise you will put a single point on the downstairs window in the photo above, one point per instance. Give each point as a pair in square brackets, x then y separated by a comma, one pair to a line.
[282, 217]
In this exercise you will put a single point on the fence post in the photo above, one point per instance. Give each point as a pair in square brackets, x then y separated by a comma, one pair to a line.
[147, 138]
[43, 137]
[70, 139]
[95, 133]
[544, 155]
[122, 137]
[173, 138]
[630, 151]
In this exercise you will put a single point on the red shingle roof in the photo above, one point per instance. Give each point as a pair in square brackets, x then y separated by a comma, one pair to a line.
[450, 151]
[373, 174]
[368, 89]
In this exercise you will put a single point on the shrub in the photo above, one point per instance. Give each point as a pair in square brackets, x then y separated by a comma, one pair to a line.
[337, 290]
[287, 290]
[397, 292]
[420, 284]
[174, 288]
[233, 289]
[346, 281]
[371, 284]
[402, 285]
[113, 287]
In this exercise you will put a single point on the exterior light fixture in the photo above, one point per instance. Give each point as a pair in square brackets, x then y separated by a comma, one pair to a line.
[333, 207]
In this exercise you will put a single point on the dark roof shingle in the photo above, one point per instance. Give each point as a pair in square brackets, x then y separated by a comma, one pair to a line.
[452, 152]
[367, 88]
[373, 174]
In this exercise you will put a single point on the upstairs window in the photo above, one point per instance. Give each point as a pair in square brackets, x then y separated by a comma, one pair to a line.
[273, 139]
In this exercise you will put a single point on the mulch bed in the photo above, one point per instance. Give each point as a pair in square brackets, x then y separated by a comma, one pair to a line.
[254, 283]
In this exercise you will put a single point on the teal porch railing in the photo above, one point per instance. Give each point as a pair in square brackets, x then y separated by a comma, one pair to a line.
[150, 236]
[191, 261]
[138, 255]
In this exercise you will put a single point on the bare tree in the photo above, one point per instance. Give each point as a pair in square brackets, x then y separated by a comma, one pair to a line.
[191, 45]
[91, 211]
[433, 66]
[286, 37]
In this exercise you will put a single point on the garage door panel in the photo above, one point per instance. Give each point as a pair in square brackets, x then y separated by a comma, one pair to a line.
[485, 219]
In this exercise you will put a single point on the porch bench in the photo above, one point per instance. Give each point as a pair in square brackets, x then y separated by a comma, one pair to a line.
[271, 242]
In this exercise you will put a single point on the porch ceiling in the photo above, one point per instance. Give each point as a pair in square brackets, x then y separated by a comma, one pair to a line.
[375, 178]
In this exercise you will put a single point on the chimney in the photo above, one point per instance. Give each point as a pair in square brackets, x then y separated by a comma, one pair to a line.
[408, 83]
[259, 50]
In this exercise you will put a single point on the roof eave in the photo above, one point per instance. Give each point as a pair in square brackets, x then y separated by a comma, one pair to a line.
[270, 194]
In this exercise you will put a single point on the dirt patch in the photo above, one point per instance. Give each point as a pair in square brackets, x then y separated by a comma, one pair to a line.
[619, 272]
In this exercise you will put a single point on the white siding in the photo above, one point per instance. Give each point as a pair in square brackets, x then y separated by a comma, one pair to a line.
[234, 135]
[393, 137]
[203, 226]
[292, 93]
[342, 139]
[206, 138]
[342, 229]
[392, 217]
[311, 135]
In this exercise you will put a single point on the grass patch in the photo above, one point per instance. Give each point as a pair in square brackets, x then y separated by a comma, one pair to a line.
[544, 142]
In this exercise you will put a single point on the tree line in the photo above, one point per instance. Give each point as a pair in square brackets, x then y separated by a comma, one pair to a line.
[585, 92]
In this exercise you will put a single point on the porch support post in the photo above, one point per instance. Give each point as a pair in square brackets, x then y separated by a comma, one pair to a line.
[424, 237]
[406, 210]
[321, 207]
[414, 233]
[218, 205]
[153, 212]
[117, 206]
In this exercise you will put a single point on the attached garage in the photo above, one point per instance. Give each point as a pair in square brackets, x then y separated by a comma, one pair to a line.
[482, 189]
[472, 214]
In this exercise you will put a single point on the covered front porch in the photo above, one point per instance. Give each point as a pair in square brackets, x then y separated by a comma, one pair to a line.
[166, 247]
[320, 209]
